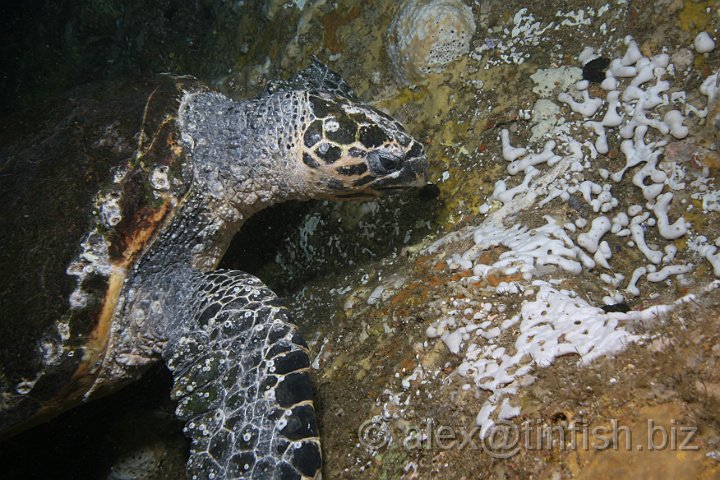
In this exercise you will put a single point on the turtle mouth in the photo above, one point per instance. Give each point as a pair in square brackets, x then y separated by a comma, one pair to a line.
[394, 190]
[375, 192]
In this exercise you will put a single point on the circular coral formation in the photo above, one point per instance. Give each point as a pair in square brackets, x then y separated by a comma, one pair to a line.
[426, 35]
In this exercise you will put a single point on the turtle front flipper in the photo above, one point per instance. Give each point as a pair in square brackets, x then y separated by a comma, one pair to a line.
[241, 372]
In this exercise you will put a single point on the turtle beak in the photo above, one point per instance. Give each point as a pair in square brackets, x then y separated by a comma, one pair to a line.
[413, 174]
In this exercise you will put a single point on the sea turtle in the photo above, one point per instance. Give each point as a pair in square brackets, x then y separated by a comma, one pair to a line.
[110, 249]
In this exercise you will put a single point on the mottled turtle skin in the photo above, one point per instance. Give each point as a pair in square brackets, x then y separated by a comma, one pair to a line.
[114, 223]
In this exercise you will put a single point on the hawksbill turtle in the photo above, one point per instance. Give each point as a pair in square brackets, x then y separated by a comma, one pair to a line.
[111, 248]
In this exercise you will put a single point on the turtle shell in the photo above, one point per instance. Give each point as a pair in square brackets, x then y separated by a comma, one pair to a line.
[81, 200]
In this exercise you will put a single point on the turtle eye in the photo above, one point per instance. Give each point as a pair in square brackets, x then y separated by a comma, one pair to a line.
[383, 163]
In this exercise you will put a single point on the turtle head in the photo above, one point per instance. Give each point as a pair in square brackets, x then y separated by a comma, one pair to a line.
[353, 151]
